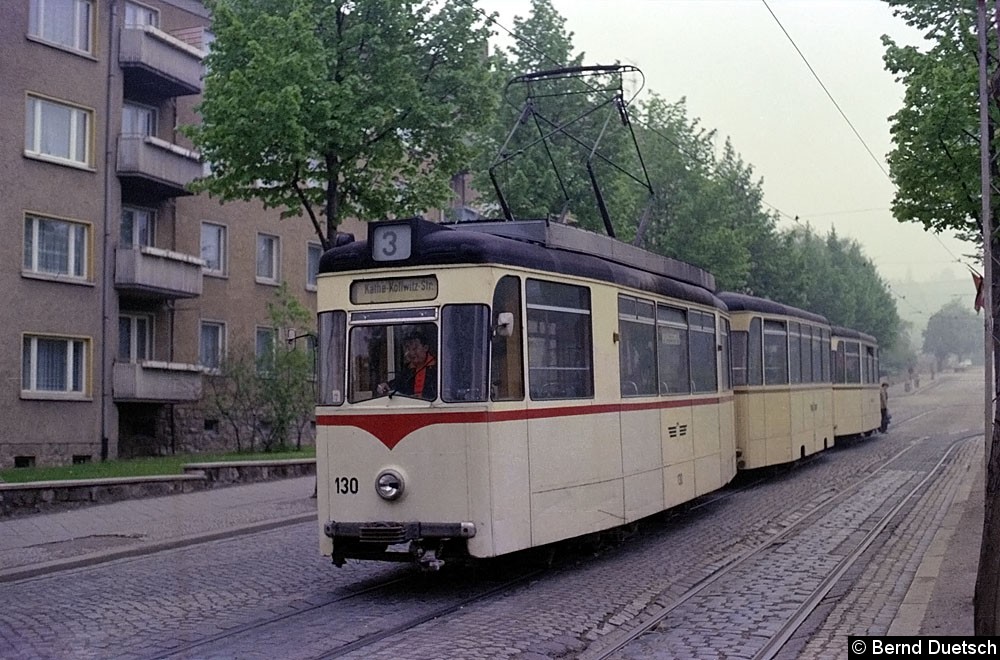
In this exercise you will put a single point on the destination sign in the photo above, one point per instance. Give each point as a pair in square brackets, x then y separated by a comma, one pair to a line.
[396, 289]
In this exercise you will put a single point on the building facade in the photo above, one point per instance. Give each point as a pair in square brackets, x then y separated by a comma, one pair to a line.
[124, 291]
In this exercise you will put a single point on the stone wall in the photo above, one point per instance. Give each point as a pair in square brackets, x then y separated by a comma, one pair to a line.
[48, 496]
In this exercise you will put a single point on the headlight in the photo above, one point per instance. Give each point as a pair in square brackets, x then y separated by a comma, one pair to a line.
[389, 485]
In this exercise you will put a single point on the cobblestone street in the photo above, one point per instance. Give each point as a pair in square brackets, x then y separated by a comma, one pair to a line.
[268, 594]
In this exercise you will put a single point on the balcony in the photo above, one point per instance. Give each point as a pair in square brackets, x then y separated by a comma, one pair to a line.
[157, 65]
[155, 274]
[155, 169]
[156, 382]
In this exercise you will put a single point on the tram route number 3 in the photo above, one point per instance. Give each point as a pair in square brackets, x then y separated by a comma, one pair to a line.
[346, 485]
[391, 243]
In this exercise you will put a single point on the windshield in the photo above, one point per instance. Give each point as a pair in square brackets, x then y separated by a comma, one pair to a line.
[405, 356]
[390, 360]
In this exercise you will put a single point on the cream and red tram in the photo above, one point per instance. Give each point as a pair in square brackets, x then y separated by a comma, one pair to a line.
[781, 381]
[581, 384]
[855, 383]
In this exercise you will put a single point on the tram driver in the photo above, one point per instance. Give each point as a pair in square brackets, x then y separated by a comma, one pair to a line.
[419, 375]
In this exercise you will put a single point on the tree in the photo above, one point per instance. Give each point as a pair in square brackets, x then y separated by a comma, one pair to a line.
[935, 165]
[264, 388]
[234, 395]
[901, 355]
[953, 330]
[341, 108]
[287, 394]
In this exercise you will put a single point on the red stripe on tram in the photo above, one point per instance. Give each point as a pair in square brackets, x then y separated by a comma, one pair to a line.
[391, 427]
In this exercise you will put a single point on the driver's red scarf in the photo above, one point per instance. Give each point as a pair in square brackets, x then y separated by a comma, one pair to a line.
[418, 380]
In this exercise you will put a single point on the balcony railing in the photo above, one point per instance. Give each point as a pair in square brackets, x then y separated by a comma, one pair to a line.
[148, 272]
[157, 65]
[157, 382]
[155, 168]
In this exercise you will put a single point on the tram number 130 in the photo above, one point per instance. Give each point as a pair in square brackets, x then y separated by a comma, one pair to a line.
[346, 485]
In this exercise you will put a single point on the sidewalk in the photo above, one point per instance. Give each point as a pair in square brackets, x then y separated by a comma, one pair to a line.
[939, 600]
[38, 544]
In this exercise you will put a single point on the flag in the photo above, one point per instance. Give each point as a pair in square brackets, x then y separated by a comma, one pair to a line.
[977, 280]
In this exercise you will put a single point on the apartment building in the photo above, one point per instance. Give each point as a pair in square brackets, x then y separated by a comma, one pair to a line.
[123, 291]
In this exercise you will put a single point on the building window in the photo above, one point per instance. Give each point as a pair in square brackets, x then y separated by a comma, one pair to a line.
[57, 131]
[138, 120]
[213, 344]
[135, 337]
[213, 248]
[55, 247]
[137, 15]
[313, 253]
[137, 226]
[267, 258]
[68, 23]
[53, 365]
[265, 347]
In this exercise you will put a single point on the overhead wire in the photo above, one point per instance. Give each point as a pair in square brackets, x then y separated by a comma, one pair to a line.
[830, 96]
[696, 158]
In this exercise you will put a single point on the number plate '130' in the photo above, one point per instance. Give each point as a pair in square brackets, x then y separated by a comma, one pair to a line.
[346, 485]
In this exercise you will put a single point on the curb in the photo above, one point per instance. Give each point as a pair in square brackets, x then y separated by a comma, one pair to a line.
[37, 570]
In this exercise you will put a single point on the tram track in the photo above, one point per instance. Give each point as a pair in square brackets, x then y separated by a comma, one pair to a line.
[208, 645]
[183, 651]
[776, 641]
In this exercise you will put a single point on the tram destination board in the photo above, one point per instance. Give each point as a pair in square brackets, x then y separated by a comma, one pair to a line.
[394, 289]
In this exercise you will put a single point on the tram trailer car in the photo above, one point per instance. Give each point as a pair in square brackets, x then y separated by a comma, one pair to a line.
[781, 381]
[579, 384]
[857, 411]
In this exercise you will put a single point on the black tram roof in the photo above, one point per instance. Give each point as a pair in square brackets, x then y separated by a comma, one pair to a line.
[741, 302]
[850, 333]
[539, 245]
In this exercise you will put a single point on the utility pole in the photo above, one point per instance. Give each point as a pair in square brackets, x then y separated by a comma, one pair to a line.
[986, 221]
[986, 599]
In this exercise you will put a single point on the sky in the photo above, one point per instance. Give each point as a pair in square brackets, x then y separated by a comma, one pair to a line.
[743, 77]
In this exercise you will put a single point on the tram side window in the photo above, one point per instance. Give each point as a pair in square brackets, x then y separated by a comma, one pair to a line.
[825, 356]
[817, 356]
[560, 341]
[775, 353]
[739, 349]
[852, 362]
[331, 330]
[755, 353]
[871, 371]
[636, 346]
[465, 338]
[704, 356]
[727, 381]
[807, 361]
[672, 350]
[507, 379]
[795, 352]
[839, 366]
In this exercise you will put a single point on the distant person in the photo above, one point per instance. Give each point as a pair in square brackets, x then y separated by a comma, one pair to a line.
[883, 397]
[419, 376]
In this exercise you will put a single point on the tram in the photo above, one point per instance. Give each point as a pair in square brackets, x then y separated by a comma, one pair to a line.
[781, 378]
[491, 386]
[855, 383]
[569, 383]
